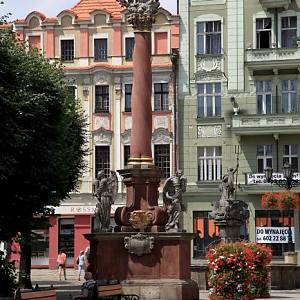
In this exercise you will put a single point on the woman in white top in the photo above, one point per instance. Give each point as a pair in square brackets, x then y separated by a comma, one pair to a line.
[80, 261]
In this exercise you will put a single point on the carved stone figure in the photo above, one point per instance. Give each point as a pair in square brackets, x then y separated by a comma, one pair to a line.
[173, 189]
[227, 191]
[141, 12]
[105, 189]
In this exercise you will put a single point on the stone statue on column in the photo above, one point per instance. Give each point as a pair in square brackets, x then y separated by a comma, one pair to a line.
[173, 189]
[105, 190]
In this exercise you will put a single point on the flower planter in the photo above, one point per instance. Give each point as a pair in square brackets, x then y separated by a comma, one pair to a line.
[290, 257]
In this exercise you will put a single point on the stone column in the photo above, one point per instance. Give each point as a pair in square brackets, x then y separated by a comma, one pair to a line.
[140, 151]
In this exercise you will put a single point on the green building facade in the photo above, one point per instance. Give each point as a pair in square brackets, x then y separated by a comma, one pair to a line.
[239, 95]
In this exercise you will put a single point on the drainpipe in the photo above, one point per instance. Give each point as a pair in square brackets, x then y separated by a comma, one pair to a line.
[276, 27]
[174, 60]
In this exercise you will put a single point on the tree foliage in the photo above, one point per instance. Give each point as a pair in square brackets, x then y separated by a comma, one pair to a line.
[42, 136]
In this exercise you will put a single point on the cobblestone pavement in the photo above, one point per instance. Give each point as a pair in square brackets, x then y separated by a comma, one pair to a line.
[71, 286]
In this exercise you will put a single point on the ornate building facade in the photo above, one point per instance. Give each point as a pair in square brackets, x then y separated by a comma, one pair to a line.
[238, 96]
[95, 44]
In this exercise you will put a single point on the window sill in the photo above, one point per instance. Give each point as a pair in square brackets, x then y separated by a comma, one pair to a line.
[67, 61]
[210, 120]
[100, 60]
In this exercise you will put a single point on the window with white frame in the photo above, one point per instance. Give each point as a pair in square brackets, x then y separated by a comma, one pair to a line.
[290, 155]
[288, 32]
[161, 97]
[209, 163]
[128, 93]
[289, 96]
[263, 33]
[209, 37]
[100, 49]
[264, 97]
[67, 50]
[264, 157]
[209, 100]
[162, 159]
[129, 47]
[101, 99]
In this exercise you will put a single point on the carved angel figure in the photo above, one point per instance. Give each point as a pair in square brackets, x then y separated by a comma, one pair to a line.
[173, 189]
[105, 189]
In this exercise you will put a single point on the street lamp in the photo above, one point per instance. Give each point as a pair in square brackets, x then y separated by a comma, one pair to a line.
[286, 183]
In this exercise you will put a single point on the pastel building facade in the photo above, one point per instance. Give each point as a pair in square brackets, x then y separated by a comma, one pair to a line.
[95, 44]
[238, 96]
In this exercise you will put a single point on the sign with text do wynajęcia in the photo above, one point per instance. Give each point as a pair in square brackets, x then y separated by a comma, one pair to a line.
[273, 235]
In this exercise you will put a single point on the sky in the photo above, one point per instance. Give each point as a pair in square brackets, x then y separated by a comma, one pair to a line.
[21, 8]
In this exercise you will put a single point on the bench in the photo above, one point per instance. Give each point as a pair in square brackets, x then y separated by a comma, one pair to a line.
[49, 294]
[113, 291]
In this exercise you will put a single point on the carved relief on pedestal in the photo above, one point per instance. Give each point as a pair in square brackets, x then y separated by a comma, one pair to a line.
[209, 131]
[102, 137]
[128, 123]
[101, 121]
[160, 122]
[209, 67]
[126, 137]
[162, 136]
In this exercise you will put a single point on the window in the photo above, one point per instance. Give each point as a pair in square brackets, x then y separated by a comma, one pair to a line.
[263, 33]
[288, 32]
[209, 100]
[290, 155]
[161, 43]
[72, 91]
[264, 97]
[207, 233]
[66, 238]
[40, 247]
[67, 50]
[102, 159]
[100, 49]
[34, 42]
[264, 157]
[126, 154]
[161, 97]
[274, 218]
[289, 96]
[209, 37]
[128, 91]
[102, 99]
[209, 163]
[129, 46]
[162, 159]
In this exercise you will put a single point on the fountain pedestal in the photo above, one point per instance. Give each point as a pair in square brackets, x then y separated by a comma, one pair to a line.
[162, 274]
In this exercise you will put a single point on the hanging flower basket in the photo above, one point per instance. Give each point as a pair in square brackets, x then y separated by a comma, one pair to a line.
[286, 200]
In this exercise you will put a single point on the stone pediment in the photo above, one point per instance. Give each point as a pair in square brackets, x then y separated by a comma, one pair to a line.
[102, 136]
[126, 137]
[162, 136]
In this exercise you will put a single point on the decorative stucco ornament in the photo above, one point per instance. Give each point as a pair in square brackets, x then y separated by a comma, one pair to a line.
[141, 13]
[139, 244]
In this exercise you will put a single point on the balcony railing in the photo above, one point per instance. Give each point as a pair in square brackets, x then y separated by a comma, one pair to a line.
[275, 3]
[272, 54]
[265, 124]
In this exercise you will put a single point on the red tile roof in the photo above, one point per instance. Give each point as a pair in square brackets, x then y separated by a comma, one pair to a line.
[83, 8]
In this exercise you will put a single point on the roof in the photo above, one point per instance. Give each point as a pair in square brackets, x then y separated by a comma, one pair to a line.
[83, 8]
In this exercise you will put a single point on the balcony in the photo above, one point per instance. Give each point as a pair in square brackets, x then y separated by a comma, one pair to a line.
[269, 4]
[273, 57]
[266, 124]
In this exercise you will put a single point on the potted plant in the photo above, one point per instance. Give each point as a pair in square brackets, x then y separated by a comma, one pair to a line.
[239, 271]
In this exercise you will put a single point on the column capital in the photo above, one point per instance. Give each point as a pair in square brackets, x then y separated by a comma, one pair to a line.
[141, 13]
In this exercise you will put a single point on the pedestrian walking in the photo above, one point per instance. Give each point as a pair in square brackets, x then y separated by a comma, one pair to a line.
[61, 261]
[81, 263]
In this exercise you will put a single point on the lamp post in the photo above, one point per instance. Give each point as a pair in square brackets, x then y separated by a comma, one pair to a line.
[288, 183]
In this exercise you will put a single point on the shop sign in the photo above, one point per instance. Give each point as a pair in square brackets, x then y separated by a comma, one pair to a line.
[273, 235]
[78, 209]
[260, 178]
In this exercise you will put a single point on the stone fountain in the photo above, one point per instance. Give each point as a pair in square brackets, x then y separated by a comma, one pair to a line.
[148, 260]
